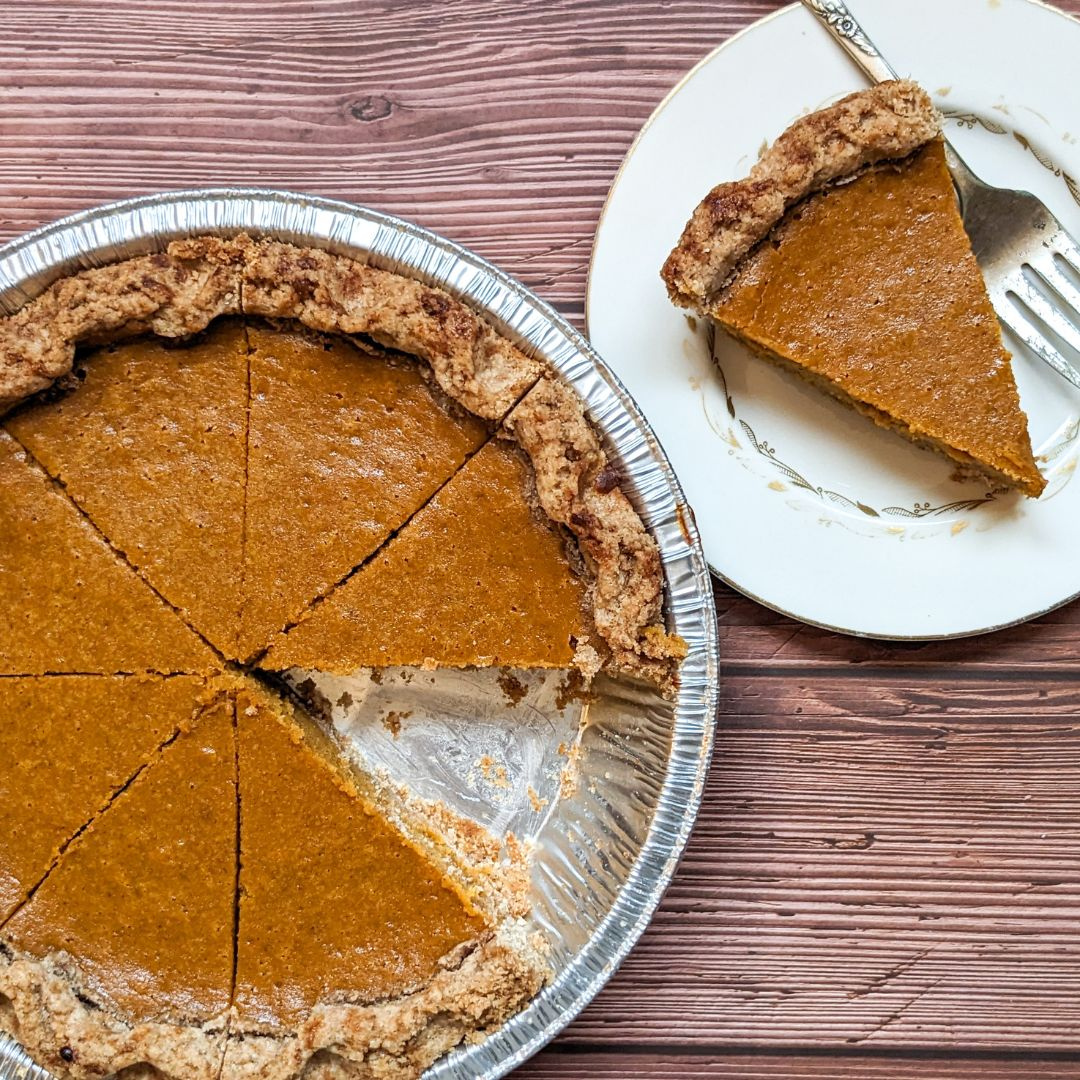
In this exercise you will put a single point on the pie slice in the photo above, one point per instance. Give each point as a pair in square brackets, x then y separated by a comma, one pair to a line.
[68, 746]
[151, 446]
[843, 258]
[123, 957]
[67, 603]
[345, 445]
[479, 576]
[354, 949]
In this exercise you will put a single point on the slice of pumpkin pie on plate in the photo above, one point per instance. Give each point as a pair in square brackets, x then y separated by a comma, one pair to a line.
[842, 257]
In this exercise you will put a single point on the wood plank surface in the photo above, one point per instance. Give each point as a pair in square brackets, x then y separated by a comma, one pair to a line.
[885, 878]
[567, 1060]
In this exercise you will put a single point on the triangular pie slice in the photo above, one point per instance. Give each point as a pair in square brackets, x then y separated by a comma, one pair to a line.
[123, 957]
[67, 602]
[843, 258]
[353, 943]
[479, 576]
[151, 446]
[345, 445]
[68, 745]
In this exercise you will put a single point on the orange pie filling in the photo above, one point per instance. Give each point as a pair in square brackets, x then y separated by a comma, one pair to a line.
[137, 918]
[360, 915]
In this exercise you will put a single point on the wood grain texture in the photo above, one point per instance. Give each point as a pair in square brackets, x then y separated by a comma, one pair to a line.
[568, 1060]
[753, 637]
[885, 878]
[893, 862]
[499, 124]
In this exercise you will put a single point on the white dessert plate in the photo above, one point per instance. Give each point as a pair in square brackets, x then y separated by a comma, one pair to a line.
[801, 503]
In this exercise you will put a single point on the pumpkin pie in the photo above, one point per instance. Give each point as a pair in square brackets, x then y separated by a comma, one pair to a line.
[345, 444]
[356, 469]
[150, 445]
[123, 956]
[69, 603]
[843, 258]
[366, 955]
[69, 745]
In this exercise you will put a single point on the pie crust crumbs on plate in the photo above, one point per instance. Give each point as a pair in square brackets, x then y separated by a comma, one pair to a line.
[146, 460]
[842, 258]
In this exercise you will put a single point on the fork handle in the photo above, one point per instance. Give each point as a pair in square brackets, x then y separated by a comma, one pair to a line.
[852, 38]
[845, 30]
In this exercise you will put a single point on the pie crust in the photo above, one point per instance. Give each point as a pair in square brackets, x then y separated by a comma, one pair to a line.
[886, 122]
[46, 1006]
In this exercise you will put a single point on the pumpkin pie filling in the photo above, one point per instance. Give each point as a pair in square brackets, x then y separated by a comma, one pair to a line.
[69, 746]
[67, 602]
[366, 936]
[344, 446]
[843, 258]
[151, 446]
[137, 920]
[360, 916]
[256, 906]
[479, 576]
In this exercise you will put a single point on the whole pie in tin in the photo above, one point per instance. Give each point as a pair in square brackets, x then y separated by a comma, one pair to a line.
[221, 462]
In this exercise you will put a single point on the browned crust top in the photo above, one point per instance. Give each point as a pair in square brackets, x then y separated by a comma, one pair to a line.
[471, 361]
[173, 294]
[398, 1040]
[177, 293]
[579, 488]
[887, 121]
[46, 1006]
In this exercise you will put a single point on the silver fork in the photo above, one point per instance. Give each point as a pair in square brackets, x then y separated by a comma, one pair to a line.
[1024, 252]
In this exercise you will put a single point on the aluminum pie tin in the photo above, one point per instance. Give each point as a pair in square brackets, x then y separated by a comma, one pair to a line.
[611, 846]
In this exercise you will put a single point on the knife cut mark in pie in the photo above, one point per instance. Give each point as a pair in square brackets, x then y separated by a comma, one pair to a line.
[67, 602]
[423, 493]
[843, 258]
[478, 575]
[151, 447]
[124, 954]
[345, 445]
[68, 746]
[361, 919]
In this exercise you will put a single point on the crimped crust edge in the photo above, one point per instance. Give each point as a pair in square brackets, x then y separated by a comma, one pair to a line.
[580, 489]
[46, 1005]
[887, 121]
[398, 1040]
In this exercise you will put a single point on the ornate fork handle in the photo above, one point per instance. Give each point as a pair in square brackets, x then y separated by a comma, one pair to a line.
[855, 41]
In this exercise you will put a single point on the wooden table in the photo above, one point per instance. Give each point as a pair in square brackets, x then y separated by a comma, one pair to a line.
[885, 878]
